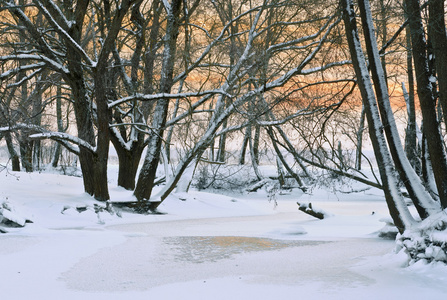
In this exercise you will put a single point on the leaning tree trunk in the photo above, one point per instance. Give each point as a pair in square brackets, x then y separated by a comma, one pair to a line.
[222, 144]
[196, 152]
[396, 204]
[420, 197]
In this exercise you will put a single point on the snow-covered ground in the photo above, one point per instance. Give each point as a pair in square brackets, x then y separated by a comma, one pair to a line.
[206, 246]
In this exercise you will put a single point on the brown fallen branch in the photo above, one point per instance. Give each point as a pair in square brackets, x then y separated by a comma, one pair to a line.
[307, 208]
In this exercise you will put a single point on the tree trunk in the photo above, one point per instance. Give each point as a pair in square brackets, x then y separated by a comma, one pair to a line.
[146, 178]
[384, 23]
[411, 131]
[222, 144]
[60, 126]
[411, 149]
[101, 76]
[37, 118]
[101, 190]
[439, 41]
[427, 100]
[244, 145]
[130, 152]
[81, 105]
[150, 56]
[359, 146]
[12, 152]
[128, 161]
[255, 145]
[25, 144]
[170, 133]
[26, 153]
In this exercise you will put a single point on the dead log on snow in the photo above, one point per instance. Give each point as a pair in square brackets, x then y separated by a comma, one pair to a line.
[307, 208]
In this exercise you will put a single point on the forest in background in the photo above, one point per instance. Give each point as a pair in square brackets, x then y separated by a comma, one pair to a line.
[183, 85]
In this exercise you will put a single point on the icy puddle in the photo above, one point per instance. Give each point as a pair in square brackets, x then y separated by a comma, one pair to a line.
[200, 249]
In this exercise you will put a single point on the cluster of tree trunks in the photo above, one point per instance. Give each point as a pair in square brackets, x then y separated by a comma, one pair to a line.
[382, 129]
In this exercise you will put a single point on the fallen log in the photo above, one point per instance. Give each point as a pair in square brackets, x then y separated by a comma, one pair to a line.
[307, 208]
[256, 186]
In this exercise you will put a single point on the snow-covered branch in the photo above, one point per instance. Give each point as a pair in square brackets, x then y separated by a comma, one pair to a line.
[24, 79]
[159, 96]
[15, 71]
[167, 6]
[42, 133]
[64, 33]
[62, 136]
[48, 61]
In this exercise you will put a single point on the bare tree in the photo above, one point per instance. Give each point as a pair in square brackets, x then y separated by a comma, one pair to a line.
[65, 55]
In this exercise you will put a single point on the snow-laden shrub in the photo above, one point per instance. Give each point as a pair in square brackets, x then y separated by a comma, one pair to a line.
[223, 177]
[427, 240]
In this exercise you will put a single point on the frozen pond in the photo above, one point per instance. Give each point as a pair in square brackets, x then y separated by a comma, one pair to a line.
[154, 255]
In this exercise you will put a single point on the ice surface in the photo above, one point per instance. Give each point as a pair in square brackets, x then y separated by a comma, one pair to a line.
[207, 246]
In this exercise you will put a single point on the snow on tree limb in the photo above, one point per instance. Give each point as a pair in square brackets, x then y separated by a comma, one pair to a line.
[167, 6]
[159, 96]
[56, 13]
[64, 33]
[48, 61]
[15, 71]
[62, 136]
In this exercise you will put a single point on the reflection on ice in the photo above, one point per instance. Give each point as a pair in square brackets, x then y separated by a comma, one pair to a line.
[199, 249]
